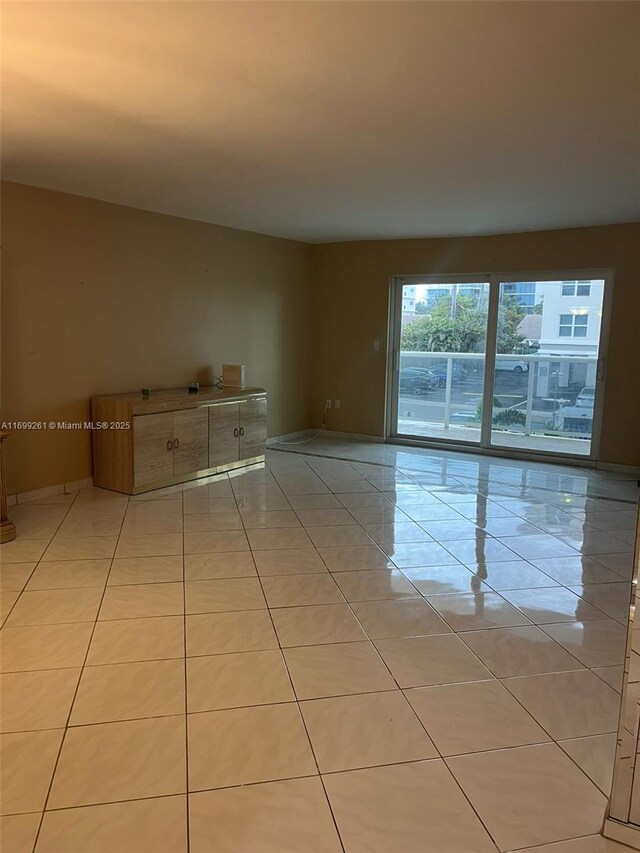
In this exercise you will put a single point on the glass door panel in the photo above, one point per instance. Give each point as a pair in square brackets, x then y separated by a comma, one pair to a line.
[440, 342]
[546, 369]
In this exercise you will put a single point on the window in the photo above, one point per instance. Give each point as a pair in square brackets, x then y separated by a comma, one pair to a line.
[544, 353]
[524, 292]
[573, 325]
[576, 288]
[580, 326]
[566, 323]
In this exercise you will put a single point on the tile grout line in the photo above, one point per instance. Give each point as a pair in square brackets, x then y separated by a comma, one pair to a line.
[40, 560]
[82, 668]
[297, 701]
[554, 741]
[495, 678]
[413, 711]
[415, 598]
[623, 848]
[583, 667]
[187, 799]
[400, 689]
[347, 573]
[430, 454]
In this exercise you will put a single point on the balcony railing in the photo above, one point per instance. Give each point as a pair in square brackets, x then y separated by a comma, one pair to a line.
[548, 384]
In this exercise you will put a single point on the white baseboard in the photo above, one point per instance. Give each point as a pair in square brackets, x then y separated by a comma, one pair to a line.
[616, 466]
[290, 436]
[353, 436]
[309, 434]
[49, 491]
[625, 833]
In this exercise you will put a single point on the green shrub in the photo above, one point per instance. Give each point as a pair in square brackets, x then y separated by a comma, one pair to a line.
[480, 408]
[509, 417]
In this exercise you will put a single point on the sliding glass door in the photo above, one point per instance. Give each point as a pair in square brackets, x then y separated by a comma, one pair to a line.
[511, 363]
[547, 365]
[441, 358]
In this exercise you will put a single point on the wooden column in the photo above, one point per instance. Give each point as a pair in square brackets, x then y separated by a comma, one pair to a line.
[7, 527]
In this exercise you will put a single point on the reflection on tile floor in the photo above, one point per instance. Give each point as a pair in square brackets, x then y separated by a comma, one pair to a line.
[397, 650]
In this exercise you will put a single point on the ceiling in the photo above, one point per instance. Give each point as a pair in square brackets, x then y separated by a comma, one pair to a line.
[324, 121]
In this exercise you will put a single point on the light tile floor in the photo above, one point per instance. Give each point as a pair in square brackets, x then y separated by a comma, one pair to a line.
[396, 651]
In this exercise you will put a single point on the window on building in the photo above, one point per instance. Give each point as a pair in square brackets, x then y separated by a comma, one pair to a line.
[524, 292]
[576, 288]
[573, 325]
[580, 326]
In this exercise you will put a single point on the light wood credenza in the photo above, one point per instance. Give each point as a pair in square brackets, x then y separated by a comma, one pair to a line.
[173, 436]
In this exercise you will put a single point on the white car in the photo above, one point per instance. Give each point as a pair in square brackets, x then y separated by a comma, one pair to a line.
[586, 398]
[469, 418]
[512, 365]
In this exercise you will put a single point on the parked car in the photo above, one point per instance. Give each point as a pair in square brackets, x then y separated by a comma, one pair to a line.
[586, 398]
[417, 380]
[512, 364]
[577, 420]
[468, 418]
[440, 371]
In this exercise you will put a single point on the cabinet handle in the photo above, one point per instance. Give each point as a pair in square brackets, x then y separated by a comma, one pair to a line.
[241, 430]
[169, 445]
[176, 444]
[236, 432]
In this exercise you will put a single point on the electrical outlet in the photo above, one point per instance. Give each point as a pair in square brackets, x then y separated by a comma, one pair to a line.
[327, 404]
[336, 404]
[376, 346]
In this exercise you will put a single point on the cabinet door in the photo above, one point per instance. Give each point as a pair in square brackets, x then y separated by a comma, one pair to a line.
[190, 441]
[253, 428]
[152, 449]
[223, 434]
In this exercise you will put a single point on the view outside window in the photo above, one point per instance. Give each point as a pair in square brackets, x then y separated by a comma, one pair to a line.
[443, 343]
[551, 405]
[545, 371]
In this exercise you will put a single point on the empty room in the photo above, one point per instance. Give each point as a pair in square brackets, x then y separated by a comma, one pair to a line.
[320, 426]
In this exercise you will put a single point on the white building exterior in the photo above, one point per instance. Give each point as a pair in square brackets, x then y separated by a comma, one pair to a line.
[571, 320]
[409, 299]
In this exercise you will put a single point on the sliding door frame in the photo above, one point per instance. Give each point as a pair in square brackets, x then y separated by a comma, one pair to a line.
[484, 445]
[393, 350]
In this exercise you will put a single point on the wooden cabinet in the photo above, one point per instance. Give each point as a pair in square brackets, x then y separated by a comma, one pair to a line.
[237, 430]
[190, 441]
[253, 427]
[173, 436]
[168, 446]
[152, 448]
[224, 430]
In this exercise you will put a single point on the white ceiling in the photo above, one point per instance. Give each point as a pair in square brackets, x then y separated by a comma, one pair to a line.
[331, 120]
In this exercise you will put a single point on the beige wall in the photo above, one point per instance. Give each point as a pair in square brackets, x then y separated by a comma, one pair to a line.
[100, 299]
[350, 310]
